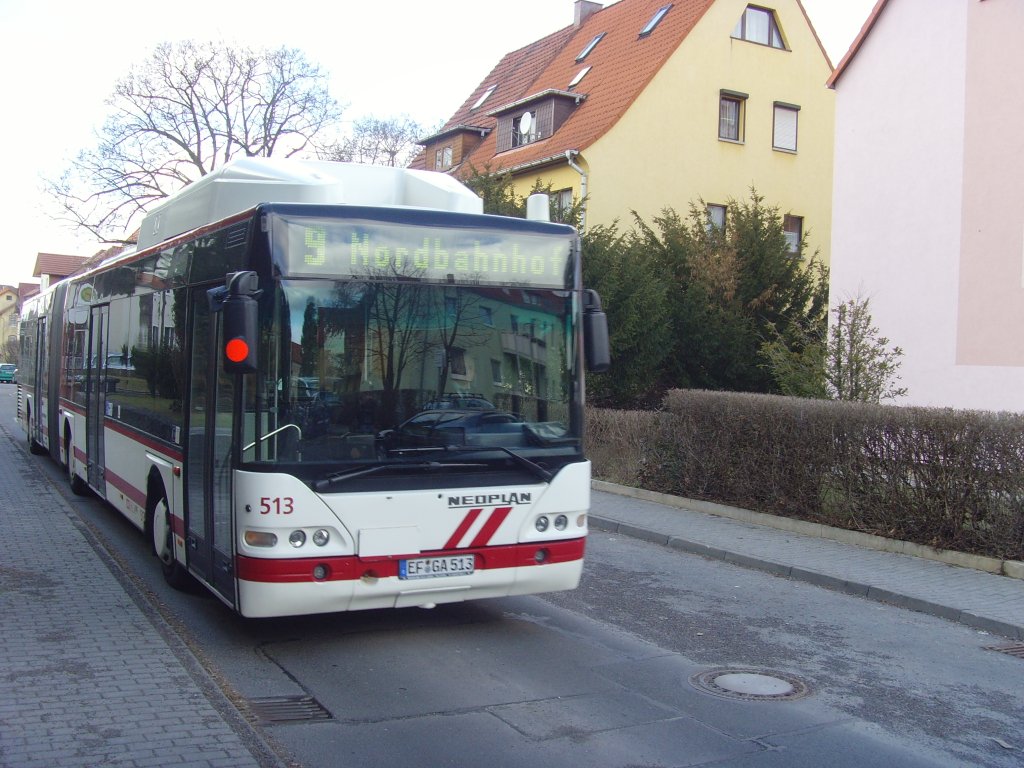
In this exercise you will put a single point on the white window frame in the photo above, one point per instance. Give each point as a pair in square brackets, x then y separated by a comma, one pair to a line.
[785, 127]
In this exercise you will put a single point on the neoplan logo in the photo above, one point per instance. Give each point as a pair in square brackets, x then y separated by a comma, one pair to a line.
[488, 500]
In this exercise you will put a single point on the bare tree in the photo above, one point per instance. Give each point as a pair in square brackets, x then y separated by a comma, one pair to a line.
[378, 141]
[185, 111]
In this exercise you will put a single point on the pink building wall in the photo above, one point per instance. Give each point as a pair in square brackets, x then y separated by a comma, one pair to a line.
[928, 199]
[990, 325]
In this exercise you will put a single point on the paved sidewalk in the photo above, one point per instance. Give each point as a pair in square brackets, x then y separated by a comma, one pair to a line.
[89, 675]
[982, 600]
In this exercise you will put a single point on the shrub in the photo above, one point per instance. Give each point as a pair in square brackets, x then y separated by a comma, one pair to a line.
[939, 477]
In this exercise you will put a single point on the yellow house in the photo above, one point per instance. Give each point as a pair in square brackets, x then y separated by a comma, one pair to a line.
[649, 104]
[8, 322]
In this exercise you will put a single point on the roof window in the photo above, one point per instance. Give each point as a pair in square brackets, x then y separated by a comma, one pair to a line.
[655, 19]
[579, 76]
[484, 98]
[590, 46]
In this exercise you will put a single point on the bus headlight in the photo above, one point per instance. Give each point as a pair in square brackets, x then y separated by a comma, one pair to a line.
[297, 539]
[541, 524]
[561, 523]
[321, 537]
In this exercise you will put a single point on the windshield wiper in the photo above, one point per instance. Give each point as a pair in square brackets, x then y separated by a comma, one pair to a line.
[341, 477]
[533, 467]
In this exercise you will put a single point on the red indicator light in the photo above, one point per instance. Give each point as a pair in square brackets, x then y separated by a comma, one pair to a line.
[237, 350]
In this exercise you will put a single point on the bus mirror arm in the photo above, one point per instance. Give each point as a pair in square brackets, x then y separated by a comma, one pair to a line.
[596, 350]
[237, 301]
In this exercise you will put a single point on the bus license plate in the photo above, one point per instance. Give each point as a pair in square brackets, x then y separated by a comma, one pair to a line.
[433, 567]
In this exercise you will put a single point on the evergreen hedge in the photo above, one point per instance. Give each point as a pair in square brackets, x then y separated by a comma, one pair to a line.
[946, 478]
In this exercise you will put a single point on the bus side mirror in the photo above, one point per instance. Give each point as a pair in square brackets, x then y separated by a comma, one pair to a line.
[596, 351]
[237, 300]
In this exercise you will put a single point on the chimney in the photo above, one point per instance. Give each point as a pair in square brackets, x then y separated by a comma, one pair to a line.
[584, 8]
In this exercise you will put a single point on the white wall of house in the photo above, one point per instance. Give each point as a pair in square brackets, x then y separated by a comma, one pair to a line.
[928, 212]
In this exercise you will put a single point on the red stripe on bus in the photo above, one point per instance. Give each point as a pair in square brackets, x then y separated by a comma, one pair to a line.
[493, 523]
[142, 439]
[300, 570]
[72, 406]
[464, 526]
[125, 487]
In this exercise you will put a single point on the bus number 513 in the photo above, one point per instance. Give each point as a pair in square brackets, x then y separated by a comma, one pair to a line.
[277, 505]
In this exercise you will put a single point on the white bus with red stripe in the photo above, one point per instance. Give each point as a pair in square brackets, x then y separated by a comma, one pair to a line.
[319, 387]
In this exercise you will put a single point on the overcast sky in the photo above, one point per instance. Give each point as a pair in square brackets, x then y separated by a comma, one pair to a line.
[60, 60]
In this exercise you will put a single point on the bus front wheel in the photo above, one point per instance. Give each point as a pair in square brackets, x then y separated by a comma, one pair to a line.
[162, 539]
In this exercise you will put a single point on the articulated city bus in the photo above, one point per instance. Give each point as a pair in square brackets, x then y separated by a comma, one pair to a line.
[322, 387]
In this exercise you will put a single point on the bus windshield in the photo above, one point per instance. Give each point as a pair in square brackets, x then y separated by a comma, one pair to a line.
[364, 372]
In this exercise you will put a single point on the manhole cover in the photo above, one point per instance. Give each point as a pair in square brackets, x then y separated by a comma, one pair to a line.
[750, 685]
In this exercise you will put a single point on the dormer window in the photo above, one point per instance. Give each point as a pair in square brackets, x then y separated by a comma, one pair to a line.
[534, 118]
[759, 25]
[590, 46]
[443, 159]
[482, 99]
[524, 129]
[655, 20]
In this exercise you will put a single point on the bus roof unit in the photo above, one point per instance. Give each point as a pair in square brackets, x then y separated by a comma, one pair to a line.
[247, 182]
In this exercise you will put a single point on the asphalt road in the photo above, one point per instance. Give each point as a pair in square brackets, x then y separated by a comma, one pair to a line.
[604, 675]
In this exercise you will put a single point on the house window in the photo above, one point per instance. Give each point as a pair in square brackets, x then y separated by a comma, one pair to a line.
[716, 217]
[655, 19]
[443, 159]
[563, 199]
[484, 97]
[758, 25]
[457, 362]
[731, 115]
[496, 372]
[793, 226]
[784, 130]
[487, 316]
[590, 46]
[524, 129]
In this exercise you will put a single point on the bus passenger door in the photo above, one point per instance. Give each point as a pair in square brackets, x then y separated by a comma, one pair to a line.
[208, 463]
[38, 388]
[96, 398]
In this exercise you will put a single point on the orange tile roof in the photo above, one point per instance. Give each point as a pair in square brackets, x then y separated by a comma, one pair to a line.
[622, 64]
[56, 264]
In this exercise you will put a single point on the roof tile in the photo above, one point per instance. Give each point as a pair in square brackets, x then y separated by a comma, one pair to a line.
[622, 65]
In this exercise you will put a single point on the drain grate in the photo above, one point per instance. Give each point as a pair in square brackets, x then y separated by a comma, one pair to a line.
[289, 709]
[1012, 649]
[750, 685]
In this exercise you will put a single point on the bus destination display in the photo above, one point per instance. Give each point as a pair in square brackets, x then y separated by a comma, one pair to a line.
[374, 250]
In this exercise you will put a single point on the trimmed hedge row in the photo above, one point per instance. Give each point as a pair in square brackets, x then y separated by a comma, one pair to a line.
[944, 478]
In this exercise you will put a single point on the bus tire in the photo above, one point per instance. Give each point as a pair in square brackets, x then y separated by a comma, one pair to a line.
[161, 539]
[33, 447]
[78, 486]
